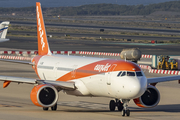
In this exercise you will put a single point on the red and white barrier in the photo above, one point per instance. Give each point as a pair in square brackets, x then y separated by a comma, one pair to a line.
[69, 52]
[19, 52]
[146, 56]
[98, 53]
[145, 66]
[170, 72]
[14, 57]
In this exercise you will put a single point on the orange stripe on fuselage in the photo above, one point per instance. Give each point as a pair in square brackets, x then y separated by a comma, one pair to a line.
[98, 68]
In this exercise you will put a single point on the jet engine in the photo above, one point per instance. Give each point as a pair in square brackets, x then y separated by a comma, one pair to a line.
[44, 95]
[149, 99]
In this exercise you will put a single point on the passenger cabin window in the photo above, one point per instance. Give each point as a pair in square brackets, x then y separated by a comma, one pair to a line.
[139, 74]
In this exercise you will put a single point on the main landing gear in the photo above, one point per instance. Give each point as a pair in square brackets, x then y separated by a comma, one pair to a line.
[121, 105]
[53, 108]
[113, 104]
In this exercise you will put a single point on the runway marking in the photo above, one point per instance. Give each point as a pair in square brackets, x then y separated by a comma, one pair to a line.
[83, 104]
[6, 105]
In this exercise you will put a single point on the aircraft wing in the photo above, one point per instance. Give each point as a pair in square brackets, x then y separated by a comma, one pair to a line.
[17, 61]
[18, 79]
[163, 79]
[57, 84]
[3, 40]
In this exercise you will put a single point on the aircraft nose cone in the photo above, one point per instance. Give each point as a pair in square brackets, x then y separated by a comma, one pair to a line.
[138, 88]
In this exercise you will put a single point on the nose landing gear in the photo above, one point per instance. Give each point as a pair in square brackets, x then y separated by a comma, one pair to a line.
[121, 105]
[125, 110]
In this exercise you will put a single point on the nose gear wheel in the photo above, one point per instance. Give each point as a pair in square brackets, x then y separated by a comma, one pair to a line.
[125, 110]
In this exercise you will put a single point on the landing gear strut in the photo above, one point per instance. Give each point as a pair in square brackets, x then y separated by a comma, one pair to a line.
[125, 111]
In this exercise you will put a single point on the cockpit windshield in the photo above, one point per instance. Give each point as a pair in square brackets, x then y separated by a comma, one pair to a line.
[139, 73]
[123, 74]
[128, 73]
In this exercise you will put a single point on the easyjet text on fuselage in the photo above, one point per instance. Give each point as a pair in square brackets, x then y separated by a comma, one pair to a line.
[102, 68]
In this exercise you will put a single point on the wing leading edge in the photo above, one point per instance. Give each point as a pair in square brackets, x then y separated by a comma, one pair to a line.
[163, 79]
[57, 84]
[17, 61]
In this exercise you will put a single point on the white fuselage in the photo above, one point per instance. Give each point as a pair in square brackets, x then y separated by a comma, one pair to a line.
[92, 76]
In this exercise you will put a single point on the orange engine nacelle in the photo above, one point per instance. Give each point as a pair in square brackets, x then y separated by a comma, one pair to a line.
[149, 99]
[44, 95]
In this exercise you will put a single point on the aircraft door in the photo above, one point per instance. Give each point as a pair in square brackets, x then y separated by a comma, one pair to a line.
[73, 73]
[109, 74]
[56, 70]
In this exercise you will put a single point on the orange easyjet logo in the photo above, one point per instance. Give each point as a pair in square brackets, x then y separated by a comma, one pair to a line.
[102, 68]
[40, 29]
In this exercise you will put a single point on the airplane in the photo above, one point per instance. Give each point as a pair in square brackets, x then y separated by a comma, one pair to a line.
[3, 31]
[120, 80]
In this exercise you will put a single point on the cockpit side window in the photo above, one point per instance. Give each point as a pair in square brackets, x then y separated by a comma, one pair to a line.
[119, 73]
[130, 73]
[139, 74]
[123, 74]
